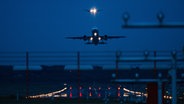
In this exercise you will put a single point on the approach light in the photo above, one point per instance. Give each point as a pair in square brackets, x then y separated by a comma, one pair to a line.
[93, 11]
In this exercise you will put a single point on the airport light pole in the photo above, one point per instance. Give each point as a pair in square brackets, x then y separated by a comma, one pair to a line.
[160, 16]
[173, 59]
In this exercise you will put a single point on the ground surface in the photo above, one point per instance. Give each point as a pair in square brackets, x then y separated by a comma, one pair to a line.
[57, 101]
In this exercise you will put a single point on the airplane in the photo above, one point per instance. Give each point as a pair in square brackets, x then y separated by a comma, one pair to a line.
[95, 38]
[93, 11]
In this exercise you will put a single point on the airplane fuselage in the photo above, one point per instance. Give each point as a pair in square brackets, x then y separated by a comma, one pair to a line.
[95, 38]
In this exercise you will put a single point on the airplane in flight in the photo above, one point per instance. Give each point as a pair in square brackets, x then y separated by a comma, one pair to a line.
[93, 11]
[95, 38]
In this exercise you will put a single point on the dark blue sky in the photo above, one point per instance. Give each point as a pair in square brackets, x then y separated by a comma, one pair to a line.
[42, 25]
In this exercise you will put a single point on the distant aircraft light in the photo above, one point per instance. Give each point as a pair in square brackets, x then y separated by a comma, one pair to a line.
[93, 11]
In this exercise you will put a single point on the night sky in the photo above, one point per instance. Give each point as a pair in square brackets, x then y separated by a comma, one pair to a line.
[42, 25]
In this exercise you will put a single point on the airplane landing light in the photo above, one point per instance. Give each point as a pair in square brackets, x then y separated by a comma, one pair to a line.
[99, 38]
[93, 11]
[95, 34]
[91, 38]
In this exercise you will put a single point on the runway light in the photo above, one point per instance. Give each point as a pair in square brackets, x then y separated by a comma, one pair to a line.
[48, 94]
[90, 94]
[71, 95]
[119, 94]
[119, 88]
[125, 95]
[99, 95]
[80, 87]
[90, 88]
[80, 94]
[65, 84]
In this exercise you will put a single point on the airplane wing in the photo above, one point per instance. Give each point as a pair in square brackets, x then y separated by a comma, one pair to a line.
[88, 10]
[75, 37]
[80, 37]
[111, 37]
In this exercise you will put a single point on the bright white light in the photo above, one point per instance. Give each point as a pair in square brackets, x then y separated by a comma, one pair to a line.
[64, 95]
[48, 94]
[93, 11]
[91, 38]
[99, 38]
[138, 95]
[95, 34]
[125, 95]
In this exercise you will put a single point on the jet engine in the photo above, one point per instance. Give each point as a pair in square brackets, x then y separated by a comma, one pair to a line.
[105, 37]
[84, 37]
